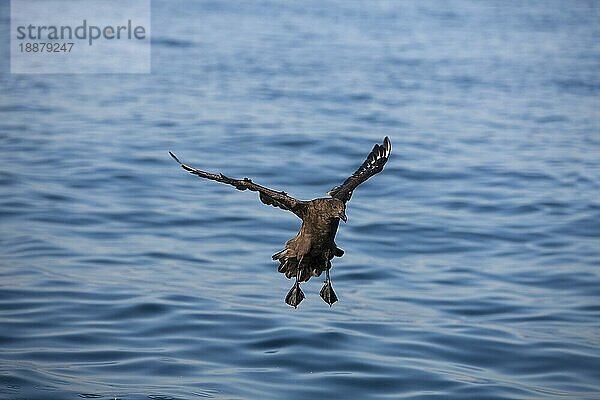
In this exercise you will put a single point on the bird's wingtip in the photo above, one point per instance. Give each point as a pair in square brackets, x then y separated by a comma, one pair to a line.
[387, 144]
[174, 157]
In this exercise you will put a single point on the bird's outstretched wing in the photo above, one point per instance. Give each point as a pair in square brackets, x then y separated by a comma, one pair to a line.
[371, 166]
[267, 196]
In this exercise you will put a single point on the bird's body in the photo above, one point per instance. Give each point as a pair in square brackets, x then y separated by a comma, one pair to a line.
[310, 252]
[315, 242]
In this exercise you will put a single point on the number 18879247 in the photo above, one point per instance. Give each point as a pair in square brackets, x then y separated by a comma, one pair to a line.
[45, 47]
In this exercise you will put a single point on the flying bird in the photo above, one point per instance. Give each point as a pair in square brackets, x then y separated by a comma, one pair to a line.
[310, 252]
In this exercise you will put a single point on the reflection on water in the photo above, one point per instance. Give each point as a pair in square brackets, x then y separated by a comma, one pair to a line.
[471, 265]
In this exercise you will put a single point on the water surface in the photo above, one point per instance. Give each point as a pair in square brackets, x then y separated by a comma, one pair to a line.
[471, 265]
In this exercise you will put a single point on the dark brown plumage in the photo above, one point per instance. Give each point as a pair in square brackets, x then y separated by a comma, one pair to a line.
[311, 251]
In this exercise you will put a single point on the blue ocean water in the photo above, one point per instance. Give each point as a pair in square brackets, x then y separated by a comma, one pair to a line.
[472, 262]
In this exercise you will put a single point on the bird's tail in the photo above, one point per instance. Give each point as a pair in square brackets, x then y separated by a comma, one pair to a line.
[288, 265]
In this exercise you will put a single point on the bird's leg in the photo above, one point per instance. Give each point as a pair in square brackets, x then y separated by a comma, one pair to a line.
[327, 292]
[295, 295]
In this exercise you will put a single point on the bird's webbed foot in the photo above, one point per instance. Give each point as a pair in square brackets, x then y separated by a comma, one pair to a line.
[328, 294]
[295, 295]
